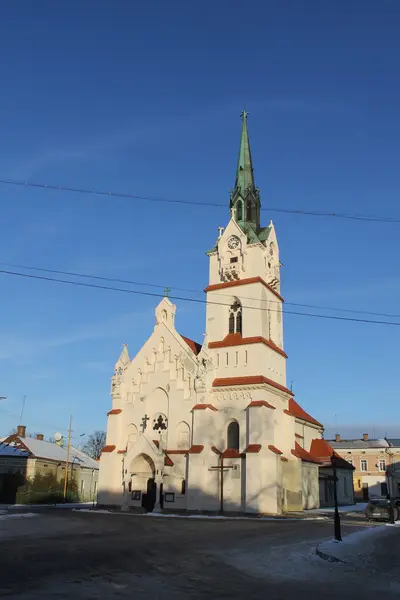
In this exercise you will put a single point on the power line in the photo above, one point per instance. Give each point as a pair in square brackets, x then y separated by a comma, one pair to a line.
[157, 285]
[196, 300]
[313, 213]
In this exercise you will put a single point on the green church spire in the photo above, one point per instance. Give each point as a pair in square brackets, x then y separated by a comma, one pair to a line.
[244, 171]
[245, 197]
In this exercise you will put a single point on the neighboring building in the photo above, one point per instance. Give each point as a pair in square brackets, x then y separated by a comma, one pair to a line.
[182, 411]
[322, 450]
[13, 467]
[393, 471]
[370, 459]
[28, 457]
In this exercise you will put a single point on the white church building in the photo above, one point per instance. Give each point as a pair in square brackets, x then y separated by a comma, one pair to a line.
[215, 427]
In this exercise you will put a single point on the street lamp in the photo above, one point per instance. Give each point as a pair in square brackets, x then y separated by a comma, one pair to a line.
[336, 517]
[389, 476]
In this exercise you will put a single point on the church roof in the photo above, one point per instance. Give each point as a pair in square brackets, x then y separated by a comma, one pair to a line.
[322, 450]
[299, 452]
[52, 451]
[295, 410]
[194, 346]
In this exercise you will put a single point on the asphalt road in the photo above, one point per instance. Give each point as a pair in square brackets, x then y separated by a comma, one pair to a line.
[64, 554]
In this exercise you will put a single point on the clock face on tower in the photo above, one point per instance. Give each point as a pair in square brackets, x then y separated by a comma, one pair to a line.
[233, 242]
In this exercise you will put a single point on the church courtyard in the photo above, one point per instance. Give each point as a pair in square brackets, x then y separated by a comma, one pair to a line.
[53, 553]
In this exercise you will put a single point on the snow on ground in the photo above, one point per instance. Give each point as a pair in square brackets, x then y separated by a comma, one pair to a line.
[360, 507]
[287, 562]
[357, 548]
[358, 553]
[63, 505]
[26, 515]
[207, 517]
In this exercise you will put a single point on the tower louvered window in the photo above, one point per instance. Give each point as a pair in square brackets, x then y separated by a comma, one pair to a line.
[235, 317]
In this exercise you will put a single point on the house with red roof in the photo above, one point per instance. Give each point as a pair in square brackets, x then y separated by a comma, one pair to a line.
[214, 426]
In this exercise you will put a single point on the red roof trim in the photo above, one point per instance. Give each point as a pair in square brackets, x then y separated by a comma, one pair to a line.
[236, 339]
[121, 451]
[295, 410]
[299, 452]
[196, 449]
[156, 443]
[204, 406]
[253, 448]
[114, 411]
[275, 449]
[301, 437]
[168, 462]
[194, 346]
[177, 451]
[231, 453]
[228, 284]
[261, 403]
[252, 379]
[284, 459]
[108, 448]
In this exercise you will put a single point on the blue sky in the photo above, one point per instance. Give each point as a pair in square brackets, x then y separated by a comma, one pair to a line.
[145, 97]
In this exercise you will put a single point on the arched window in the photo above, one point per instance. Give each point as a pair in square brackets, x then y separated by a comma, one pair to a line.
[248, 211]
[183, 436]
[239, 210]
[233, 436]
[132, 435]
[235, 317]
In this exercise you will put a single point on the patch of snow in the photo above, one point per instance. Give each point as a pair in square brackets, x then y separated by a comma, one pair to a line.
[355, 548]
[204, 517]
[18, 516]
[62, 505]
[354, 508]
[92, 510]
[294, 562]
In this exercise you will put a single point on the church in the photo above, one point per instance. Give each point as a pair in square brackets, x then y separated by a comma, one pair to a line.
[214, 427]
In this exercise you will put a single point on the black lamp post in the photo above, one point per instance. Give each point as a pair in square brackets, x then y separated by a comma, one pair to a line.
[336, 517]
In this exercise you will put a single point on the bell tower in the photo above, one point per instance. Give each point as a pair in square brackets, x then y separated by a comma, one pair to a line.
[244, 306]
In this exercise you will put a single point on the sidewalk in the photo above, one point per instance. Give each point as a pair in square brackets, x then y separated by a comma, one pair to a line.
[365, 548]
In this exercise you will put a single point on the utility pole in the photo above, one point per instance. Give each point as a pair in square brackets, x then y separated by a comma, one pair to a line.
[22, 409]
[67, 463]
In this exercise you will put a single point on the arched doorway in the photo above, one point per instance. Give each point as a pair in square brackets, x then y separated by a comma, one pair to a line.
[142, 472]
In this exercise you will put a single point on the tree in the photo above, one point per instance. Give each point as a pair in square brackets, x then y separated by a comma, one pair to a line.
[95, 443]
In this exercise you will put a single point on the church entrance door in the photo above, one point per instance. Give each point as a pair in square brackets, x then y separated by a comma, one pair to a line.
[149, 498]
[143, 472]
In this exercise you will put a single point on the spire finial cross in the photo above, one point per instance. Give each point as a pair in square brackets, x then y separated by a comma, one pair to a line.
[167, 291]
[244, 114]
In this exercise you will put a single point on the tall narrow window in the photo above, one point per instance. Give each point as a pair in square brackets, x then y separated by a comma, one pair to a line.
[231, 322]
[239, 321]
[248, 211]
[235, 317]
[233, 436]
[239, 210]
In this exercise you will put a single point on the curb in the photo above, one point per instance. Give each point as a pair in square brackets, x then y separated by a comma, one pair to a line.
[329, 557]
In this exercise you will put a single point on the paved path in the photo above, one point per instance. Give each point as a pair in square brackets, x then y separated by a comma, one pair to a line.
[65, 554]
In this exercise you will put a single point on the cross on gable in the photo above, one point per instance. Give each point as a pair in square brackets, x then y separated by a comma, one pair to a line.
[144, 423]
